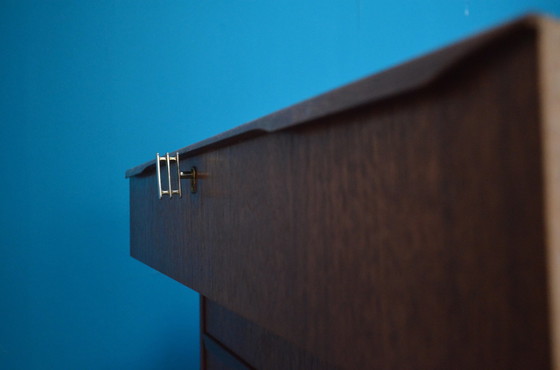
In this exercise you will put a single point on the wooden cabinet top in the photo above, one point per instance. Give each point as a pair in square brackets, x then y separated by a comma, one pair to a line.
[399, 80]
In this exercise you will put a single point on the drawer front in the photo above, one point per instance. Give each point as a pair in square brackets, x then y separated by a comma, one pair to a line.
[218, 357]
[257, 347]
[402, 235]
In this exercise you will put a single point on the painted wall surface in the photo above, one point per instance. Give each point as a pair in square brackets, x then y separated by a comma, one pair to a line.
[91, 88]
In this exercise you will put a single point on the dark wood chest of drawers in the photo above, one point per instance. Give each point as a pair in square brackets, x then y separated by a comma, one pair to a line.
[406, 221]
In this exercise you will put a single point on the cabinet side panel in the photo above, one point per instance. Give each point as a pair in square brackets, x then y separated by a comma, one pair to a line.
[549, 49]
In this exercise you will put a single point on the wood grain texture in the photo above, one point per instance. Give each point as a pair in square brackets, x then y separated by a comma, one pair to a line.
[259, 348]
[403, 235]
[219, 357]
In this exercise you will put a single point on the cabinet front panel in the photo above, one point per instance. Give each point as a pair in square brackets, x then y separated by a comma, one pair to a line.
[404, 235]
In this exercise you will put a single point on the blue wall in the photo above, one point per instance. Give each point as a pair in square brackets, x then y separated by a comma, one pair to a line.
[91, 88]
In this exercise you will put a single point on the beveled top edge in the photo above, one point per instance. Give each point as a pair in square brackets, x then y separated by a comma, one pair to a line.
[401, 79]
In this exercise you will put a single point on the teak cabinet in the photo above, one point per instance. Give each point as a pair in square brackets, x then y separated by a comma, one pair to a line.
[410, 220]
